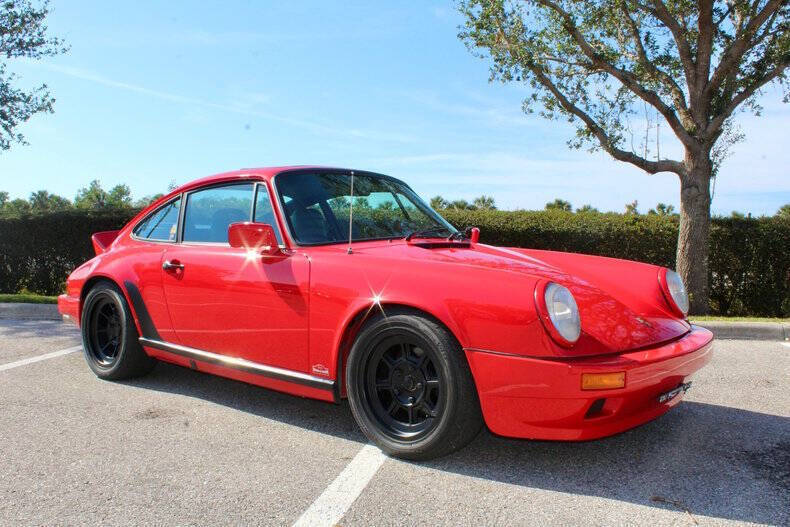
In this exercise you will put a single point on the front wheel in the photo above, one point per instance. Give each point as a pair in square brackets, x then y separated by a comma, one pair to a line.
[109, 336]
[410, 388]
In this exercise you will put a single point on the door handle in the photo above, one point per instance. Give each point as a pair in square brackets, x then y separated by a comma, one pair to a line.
[170, 266]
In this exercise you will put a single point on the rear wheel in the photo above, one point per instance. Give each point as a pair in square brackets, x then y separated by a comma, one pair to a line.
[109, 336]
[410, 388]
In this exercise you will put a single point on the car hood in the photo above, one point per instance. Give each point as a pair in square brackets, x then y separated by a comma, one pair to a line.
[620, 302]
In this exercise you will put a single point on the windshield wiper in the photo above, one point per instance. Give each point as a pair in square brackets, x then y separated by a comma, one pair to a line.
[460, 235]
[425, 232]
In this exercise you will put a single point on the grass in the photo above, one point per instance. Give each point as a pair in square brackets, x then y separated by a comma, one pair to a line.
[737, 319]
[27, 298]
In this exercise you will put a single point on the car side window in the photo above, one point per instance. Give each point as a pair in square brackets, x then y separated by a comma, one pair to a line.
[264, 213]
[210, 211]
[160, 225]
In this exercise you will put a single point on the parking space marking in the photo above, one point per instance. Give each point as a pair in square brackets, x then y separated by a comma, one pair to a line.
[338, 497]
[38, 358]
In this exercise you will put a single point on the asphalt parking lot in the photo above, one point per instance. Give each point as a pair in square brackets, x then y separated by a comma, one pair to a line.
[181, 447]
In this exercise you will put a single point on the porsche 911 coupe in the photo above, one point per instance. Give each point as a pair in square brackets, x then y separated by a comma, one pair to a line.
[330, 284]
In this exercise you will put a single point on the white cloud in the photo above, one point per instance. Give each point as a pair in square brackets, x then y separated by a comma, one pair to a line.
[245, 108]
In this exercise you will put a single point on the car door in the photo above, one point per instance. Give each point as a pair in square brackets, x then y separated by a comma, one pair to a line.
[143, 280]
[229, 300]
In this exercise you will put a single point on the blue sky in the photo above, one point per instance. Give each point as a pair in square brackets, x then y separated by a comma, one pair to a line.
[158, 91]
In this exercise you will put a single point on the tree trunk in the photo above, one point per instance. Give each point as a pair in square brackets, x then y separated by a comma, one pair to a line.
[692, 255]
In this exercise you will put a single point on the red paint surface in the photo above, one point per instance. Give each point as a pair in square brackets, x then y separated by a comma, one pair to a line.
[299, 309]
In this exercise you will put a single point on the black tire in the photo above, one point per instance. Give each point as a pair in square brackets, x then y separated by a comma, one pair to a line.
[109, 336]
[410, 388]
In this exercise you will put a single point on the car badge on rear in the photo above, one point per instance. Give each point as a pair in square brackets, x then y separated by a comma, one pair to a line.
[644, 322]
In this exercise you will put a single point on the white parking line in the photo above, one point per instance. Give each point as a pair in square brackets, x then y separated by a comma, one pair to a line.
[38, 358]
[333, 503]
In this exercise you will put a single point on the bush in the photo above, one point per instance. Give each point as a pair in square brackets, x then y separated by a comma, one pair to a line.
[37, 252]
[749, 257]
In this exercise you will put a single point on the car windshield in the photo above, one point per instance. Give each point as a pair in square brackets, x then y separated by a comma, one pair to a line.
[318, 207]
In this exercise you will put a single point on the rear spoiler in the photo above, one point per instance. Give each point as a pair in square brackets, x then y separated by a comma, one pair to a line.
[102, 240]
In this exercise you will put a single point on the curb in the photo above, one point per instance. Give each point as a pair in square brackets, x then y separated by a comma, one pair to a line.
[21, 311]
[777, 331]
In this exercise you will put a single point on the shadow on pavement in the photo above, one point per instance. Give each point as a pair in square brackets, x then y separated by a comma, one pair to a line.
[705, 459]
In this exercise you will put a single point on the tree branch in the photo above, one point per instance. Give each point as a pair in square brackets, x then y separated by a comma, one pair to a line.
[717, 122]
[739, 46]
[705, 31]
[678, 98]
[651, 167]
[678, 33]
[626, 77]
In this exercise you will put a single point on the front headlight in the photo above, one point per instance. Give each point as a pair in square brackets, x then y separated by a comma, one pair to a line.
[563, 312]
[677, 291]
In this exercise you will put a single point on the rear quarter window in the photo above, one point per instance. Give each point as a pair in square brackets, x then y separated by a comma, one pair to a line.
[160, 225]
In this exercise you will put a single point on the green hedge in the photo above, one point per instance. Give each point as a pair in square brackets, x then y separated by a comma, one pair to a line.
[37, 252]
[749, 258]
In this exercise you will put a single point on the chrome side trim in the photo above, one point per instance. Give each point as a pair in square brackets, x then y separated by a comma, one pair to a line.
[244, 365]
[492, 352]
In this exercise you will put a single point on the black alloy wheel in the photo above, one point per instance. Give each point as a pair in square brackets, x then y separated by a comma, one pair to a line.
[105, 331]
[109, 335]
[410, 388]
[404, 387]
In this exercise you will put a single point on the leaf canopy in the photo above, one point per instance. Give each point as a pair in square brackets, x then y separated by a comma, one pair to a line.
[597, 63]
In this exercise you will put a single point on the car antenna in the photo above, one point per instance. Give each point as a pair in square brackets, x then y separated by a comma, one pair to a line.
[350, 214]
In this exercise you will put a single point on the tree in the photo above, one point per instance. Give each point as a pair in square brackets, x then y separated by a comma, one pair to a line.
[631, 209]
[586, 209]
[460, 204]
[784, 211]
[559, 204]
[146, 200]
[23, 34]
[599, 62]
[119, 197]
[438, 202]
[3, 198]
[484, 203]
[91, 197]
[662, 209]
[43, 201]
[362, 203]
[17, 206]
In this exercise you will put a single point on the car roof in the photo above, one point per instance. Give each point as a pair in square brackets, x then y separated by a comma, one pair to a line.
[265, 173]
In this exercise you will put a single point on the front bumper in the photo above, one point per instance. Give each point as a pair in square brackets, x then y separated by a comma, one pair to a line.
[542, 399]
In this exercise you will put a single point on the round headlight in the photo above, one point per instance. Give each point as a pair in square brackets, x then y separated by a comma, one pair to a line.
[563, 312]
[677, 290]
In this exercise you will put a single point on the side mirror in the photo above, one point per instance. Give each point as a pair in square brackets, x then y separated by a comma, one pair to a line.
[254, 236]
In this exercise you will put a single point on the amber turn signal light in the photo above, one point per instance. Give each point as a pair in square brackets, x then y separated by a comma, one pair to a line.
[603, 381]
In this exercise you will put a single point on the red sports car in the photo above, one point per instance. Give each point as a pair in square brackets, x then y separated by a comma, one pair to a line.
[328, 283]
